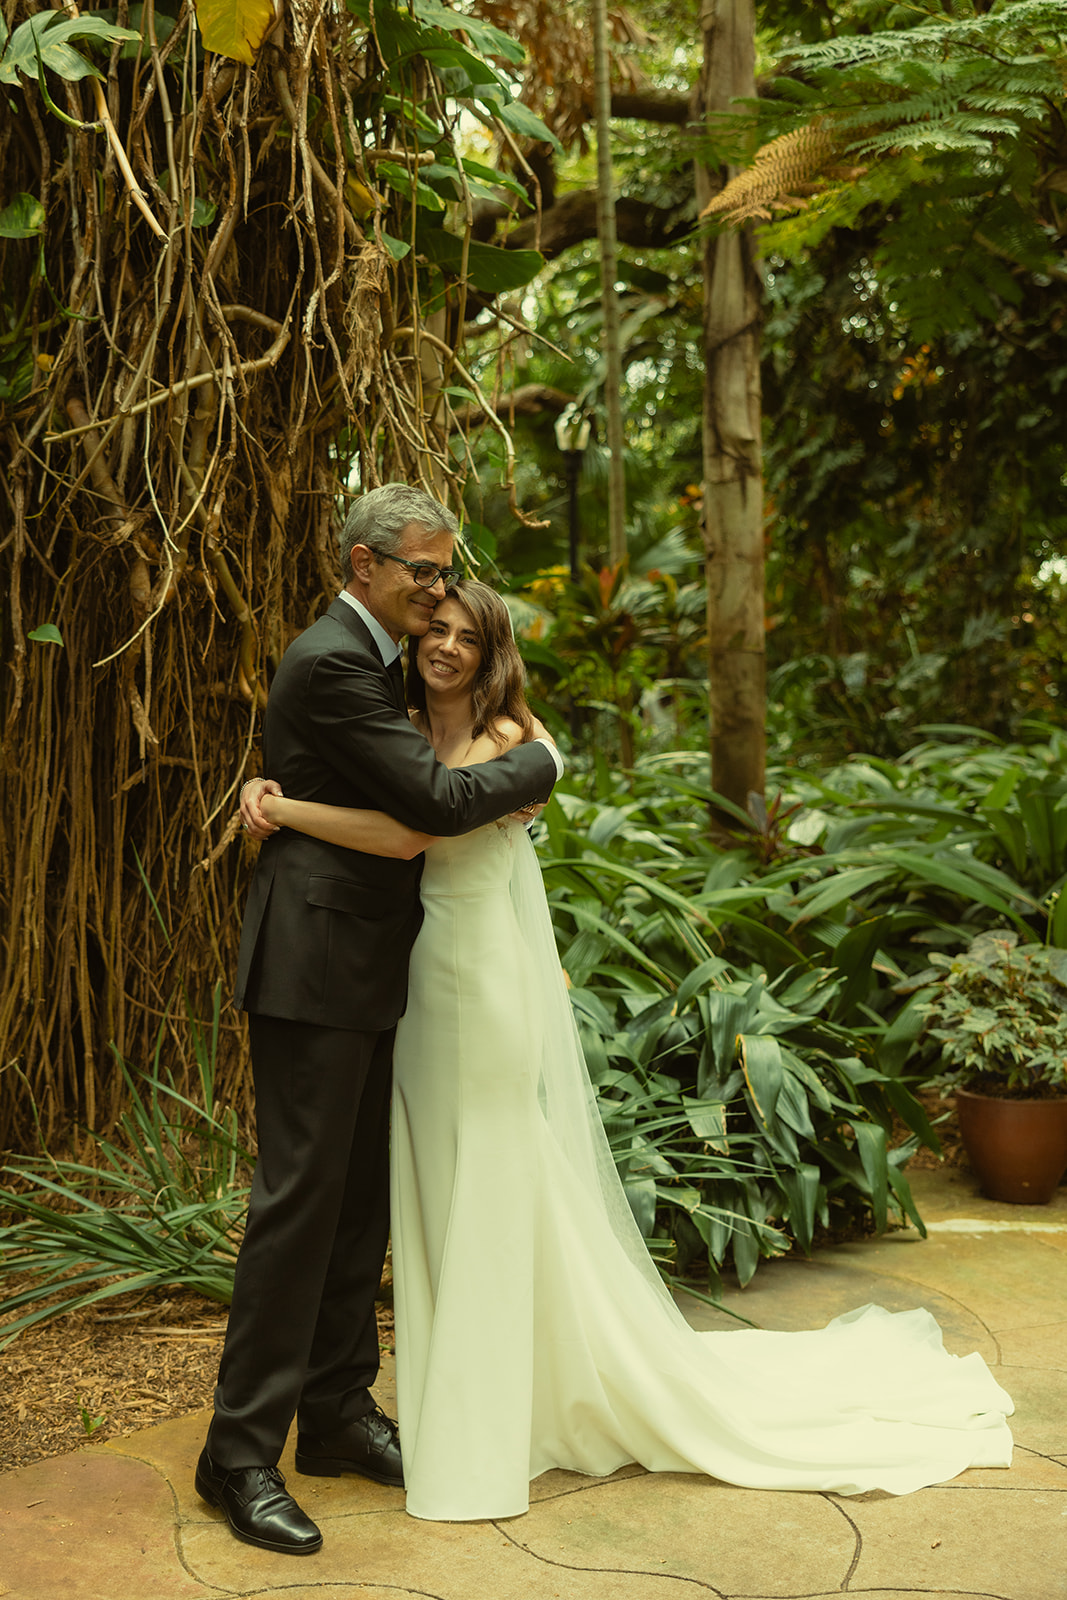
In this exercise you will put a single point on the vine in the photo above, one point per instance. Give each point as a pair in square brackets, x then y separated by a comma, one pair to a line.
[232, 295]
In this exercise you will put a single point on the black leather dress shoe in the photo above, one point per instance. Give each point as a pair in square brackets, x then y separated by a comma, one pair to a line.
[258, 1507]
[370, 1447]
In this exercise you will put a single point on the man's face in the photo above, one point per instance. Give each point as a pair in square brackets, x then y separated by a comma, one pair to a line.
[389, 591]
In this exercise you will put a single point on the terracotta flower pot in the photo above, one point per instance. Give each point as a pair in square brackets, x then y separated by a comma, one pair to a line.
[1017, 1148]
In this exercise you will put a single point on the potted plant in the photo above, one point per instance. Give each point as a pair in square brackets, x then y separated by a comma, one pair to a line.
[1000, 1014]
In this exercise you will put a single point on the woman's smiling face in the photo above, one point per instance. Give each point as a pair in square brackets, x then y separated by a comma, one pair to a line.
[449, 654]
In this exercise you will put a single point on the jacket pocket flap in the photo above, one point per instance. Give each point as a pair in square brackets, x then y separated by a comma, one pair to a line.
[342, 894]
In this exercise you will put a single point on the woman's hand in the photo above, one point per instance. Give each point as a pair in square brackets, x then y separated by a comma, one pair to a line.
[253, 819]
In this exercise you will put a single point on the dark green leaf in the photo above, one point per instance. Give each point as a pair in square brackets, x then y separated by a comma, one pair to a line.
[22, 218]
[489, 268]
[46, 633]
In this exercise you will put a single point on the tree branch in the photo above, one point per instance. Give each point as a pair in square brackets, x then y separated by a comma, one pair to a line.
[653, 105]
[573, 219]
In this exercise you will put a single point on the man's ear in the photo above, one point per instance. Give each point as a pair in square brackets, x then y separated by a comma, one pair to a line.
[362, 561]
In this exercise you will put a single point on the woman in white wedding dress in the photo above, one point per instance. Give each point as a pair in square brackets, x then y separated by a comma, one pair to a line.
[532, 1329]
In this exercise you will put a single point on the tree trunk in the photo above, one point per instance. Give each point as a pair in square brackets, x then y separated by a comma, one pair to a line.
[733, 499]
[609, 299]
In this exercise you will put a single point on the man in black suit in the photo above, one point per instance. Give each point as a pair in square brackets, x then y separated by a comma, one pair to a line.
[322, 972]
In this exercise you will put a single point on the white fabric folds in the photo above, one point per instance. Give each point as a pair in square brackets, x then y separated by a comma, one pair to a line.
[533, 1330]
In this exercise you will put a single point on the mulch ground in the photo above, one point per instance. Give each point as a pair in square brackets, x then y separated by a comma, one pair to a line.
[102, 1374]
[90, 1375]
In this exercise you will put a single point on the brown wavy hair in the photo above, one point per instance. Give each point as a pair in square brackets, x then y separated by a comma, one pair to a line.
[500, 684]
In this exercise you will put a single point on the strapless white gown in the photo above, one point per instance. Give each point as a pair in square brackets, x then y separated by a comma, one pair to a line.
[532, 1330]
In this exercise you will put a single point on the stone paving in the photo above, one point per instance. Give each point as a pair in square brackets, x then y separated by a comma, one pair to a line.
[121, 1521]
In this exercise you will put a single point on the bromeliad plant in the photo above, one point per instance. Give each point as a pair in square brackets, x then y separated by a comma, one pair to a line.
[162, 1203]
[999, 1012]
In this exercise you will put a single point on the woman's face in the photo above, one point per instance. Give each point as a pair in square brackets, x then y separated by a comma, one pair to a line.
[449, 655]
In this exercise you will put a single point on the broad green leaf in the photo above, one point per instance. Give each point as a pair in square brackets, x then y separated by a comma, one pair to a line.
[1036, 812]
[1003, 789]
[802, 1189]
[588, 1004]
[491, 269]
[520, 119]
[397, 248]
[853, 957]
[935, 869]
[399, 178]
[1009, 830]
[911, 1113]
[234, 28]
[792, 1107]
[482, 35]
[842, 886]
[745, 1248]
[408, 111]
[871, 1144]
[1057, 930]
[490, 175]
[641, 1193]
[903, 1196]
[898, 1040]
[698, 979]
[707, 1118]
[165, 26]
[761, 1062]
[22, 218]
[44, 38]
[47, 633]
[477, 77]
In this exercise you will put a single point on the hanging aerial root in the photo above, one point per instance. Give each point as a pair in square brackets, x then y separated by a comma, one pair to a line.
[363, 318]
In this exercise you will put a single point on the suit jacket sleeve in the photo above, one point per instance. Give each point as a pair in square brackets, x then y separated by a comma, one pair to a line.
[357, 729]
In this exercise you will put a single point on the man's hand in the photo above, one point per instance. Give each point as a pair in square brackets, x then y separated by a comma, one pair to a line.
[530, 813]
[252, 819]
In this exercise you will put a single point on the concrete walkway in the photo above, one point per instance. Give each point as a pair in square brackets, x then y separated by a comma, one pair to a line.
[121, 1521]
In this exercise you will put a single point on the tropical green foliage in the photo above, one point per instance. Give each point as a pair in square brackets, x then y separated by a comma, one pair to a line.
[742, 1111]
[1000, 1013]
[913, 367]
[754, 1017]
[946, 121]
[161, 1202]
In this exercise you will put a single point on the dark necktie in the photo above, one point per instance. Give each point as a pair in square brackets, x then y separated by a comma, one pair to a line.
[396, 678]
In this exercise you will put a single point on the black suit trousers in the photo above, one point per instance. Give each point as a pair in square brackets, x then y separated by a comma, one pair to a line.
[302, 1336]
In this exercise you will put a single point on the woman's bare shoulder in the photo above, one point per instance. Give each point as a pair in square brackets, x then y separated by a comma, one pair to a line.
[501, 736]
[507, 728]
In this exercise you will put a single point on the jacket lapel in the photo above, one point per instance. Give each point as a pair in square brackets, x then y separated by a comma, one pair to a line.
[342, 612]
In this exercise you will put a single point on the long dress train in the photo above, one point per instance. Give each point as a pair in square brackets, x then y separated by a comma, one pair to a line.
[532, 1329]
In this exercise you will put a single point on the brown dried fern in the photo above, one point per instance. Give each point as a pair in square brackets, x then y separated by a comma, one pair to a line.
[783, 176]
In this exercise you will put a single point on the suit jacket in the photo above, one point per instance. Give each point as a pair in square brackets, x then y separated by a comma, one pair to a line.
[328, 931]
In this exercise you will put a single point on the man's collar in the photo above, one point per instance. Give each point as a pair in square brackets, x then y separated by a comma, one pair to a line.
[388, 648]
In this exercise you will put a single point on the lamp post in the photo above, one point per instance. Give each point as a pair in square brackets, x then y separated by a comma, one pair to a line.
[572, 437]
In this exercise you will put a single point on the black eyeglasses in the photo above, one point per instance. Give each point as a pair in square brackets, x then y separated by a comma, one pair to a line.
[424, 572]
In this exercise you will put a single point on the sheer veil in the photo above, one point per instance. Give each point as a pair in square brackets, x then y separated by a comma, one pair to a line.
[567, 1097]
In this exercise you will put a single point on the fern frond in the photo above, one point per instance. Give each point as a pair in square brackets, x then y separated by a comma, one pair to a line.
[782, 174]
[1007, 33]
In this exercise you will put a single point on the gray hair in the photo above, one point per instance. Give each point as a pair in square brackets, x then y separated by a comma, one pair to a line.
[379, 517]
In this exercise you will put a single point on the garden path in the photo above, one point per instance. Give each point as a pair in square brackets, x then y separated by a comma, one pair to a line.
[120, 1520]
